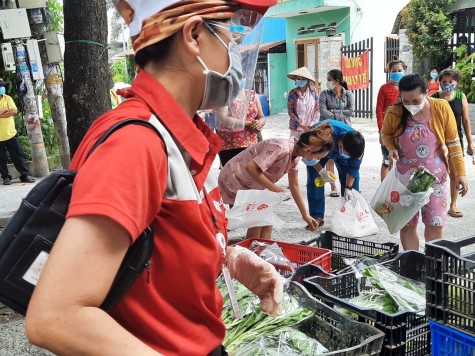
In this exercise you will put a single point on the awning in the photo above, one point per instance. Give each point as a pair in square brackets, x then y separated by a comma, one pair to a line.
[263, 47]
[129, 52]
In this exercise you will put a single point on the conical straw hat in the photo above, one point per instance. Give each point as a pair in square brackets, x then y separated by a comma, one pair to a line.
[301, 72]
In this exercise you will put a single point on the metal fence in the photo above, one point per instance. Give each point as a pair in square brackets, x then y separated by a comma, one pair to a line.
[363, 97]
[391, 53]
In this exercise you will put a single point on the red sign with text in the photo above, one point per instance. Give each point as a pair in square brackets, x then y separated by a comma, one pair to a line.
[356, 71]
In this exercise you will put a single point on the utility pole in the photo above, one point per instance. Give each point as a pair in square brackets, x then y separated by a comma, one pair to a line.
[54, 90]
[30, 113]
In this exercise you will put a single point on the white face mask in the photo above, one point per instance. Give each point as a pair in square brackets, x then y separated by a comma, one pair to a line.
[414, 109]
[330, 85]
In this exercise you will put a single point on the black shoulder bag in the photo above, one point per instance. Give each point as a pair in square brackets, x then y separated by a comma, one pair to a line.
[27, 239]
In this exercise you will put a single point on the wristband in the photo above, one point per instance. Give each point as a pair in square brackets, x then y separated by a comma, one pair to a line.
[350, 187]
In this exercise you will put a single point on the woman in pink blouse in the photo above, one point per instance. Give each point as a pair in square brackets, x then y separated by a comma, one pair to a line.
[260, 166]
[235, 142]
[302, 102]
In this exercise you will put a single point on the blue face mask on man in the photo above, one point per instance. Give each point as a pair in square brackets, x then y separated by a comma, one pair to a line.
[343, 154]
[396, 76]
[2, 90]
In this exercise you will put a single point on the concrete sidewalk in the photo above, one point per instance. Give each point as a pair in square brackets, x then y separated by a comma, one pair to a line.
[11, 196]
[12, 335]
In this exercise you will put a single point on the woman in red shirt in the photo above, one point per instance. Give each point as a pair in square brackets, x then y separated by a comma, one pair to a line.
[433, 84]
[388, 94]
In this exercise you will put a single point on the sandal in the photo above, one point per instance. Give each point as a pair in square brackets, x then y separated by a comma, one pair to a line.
[455, 213]
[319, 221]
[334, 193]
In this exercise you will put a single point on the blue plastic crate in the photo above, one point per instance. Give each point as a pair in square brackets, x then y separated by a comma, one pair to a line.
[447, 341]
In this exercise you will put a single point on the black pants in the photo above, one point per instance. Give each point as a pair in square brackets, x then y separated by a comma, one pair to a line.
[219, 351]
[18, 159]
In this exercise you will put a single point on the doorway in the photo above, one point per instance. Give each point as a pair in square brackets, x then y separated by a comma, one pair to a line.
[307, 54]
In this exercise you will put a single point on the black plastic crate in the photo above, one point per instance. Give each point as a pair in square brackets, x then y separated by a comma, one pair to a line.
[338, 333]
[406, 333]
[350, 247]
[450, 283]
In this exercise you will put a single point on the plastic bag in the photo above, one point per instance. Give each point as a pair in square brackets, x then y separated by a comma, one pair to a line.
[285, 341]
[395, 203]
[255, 208]
[353, 218]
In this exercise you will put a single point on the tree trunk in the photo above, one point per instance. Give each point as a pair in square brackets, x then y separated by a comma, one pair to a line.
[58, 112]
[31, 117]
[86, 77]
[54, 91]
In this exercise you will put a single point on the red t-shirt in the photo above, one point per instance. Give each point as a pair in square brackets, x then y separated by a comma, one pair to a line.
[388, 94]
[179, 311]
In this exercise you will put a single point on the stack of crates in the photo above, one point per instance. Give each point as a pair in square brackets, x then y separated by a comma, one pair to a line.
[406, 333]
[343, 248]
[450, 292]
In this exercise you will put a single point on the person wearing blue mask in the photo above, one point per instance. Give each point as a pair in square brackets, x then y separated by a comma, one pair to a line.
[449, 78]
[302, 102]
[388, 94]
[9, 140]
[433, 83]
[347, 155]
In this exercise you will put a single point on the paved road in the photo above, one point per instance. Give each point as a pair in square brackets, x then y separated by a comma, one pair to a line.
[12, 339]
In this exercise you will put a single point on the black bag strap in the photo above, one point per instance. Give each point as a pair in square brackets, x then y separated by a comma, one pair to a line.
[121, 124]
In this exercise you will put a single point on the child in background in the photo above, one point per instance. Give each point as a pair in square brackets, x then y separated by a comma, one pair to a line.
[261, 165]
[388, 94]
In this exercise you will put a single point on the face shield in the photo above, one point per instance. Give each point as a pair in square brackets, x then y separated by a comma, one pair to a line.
[246, 30]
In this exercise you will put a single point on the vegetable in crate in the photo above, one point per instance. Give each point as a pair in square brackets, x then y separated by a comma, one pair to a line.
[254, 323]
[408, 295]
[286, 341]
[421, 181]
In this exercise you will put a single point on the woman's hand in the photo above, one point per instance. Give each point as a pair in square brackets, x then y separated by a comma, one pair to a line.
[393, 155]
[312, 223]
[470, 149]
[257, 125]
[462, 184]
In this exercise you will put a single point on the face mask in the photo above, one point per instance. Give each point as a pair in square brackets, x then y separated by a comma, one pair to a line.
[344, 155]
[301, 83]
[434, 75]
[330, 85]
[396, 76]
[310, 163]
[414, 109]
[447, 87]
[2, 90]
[221, 89]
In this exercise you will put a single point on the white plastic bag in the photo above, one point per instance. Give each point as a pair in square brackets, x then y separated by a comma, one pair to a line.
[395, 203]
[255, 208]
[353, 218]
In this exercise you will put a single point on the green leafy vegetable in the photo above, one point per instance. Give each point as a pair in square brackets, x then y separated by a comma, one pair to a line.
[285, 341]
[421, 181]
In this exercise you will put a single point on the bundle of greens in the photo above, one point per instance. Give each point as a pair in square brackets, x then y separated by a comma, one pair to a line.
[253, 323]
[421, 181]
[391, 292]
[285, 341]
